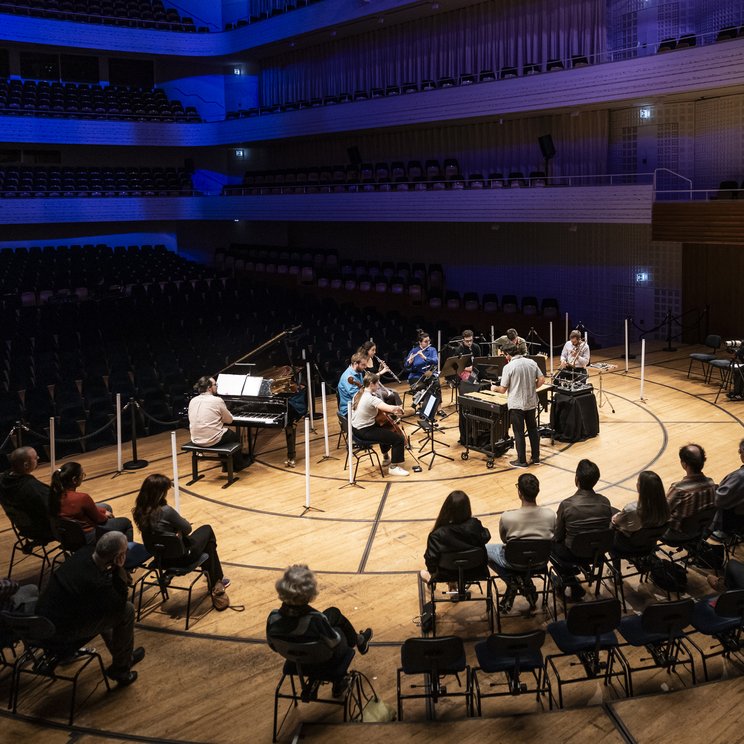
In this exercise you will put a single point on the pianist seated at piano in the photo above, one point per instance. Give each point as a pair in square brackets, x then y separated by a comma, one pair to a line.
[208, 415]
[371, 422]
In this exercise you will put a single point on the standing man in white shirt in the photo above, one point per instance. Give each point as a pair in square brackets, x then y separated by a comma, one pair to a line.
[208, 415]
[520, 379]
[575, 358]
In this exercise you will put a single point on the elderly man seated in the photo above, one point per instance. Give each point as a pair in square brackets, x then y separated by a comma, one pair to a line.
[87, 595]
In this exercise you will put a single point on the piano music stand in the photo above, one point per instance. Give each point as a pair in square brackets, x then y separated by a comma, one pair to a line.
[428, 425]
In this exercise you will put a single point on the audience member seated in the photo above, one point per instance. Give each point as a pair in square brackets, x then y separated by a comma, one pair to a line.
[87, 595]
[585, 511]
[154, 516]
[529, 522]
[66, 501]
[298, 622]
[694, 493]
[208, 415]
[650, 510]
[23, 492]
[455, 530]
[729, 498]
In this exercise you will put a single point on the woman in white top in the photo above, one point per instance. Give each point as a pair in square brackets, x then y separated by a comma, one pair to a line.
[364, 411]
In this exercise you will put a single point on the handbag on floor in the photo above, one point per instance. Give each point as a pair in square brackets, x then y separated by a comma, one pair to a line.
[374, 709]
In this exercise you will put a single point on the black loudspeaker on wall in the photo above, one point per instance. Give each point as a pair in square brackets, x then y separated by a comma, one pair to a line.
[354, 157]
[546, 146]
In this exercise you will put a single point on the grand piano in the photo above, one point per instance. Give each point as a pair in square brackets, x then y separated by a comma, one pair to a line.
[258, 393]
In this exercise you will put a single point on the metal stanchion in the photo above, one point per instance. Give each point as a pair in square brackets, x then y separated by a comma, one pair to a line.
[134, 463]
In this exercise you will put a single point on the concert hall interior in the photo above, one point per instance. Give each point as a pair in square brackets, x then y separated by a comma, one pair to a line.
[276, 202]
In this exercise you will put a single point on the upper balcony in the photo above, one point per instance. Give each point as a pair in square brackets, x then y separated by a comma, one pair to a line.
[712, 70]
[304, 26]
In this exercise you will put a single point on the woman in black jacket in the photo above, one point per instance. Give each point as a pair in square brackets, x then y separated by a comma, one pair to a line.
[455, 530]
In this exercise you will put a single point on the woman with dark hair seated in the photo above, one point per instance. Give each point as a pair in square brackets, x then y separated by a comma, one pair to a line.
[66, 501]
[455, 530]
[651, 509]
[153, 516]
[298, 622]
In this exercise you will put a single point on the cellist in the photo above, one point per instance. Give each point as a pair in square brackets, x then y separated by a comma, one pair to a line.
[364, 410]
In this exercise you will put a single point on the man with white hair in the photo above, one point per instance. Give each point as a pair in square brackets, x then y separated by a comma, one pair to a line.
[87, 595]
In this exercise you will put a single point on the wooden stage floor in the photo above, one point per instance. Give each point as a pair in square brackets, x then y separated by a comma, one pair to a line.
[215, 682]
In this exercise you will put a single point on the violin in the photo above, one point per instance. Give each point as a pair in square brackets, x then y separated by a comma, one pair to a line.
[382, 418]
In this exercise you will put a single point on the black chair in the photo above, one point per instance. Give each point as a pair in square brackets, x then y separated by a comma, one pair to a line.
[71, 536]
[361, 450]
[434, 658]
[510, 654]
[465, 568]
[29, 541]
[714, 343]
[639, 550]
[167, 548]
[43, 657]
[588, 633]
[308, 666]
[590, 549]
[528, 560]
[721, 618]
[660, 629]
[689, 538]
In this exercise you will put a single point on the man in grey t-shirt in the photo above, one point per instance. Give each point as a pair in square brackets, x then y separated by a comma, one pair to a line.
[529, 522]
[520, 379]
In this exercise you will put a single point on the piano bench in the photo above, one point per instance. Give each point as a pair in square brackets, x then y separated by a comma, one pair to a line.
[222, 452]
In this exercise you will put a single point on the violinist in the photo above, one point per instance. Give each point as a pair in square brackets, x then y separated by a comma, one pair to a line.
[379, 367]
[367, 410]
[347, 390]
[574, 358]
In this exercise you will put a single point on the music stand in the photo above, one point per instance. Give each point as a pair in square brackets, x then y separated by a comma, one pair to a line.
[603, 367]
[429, 426]
[451, 371]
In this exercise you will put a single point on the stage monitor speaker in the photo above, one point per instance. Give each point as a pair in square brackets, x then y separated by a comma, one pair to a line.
[546, 146]
[354, 157]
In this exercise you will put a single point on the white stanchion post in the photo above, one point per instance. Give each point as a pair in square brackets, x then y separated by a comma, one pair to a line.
[326, 451]
[439, 346]
[626, 345]
[643, 365]
[551, 348]
[307, 463]
[309, 393]
[119, 458]
[349, 443]
[52, 446]
[566, 326]
[174, 458]
[493, 340]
